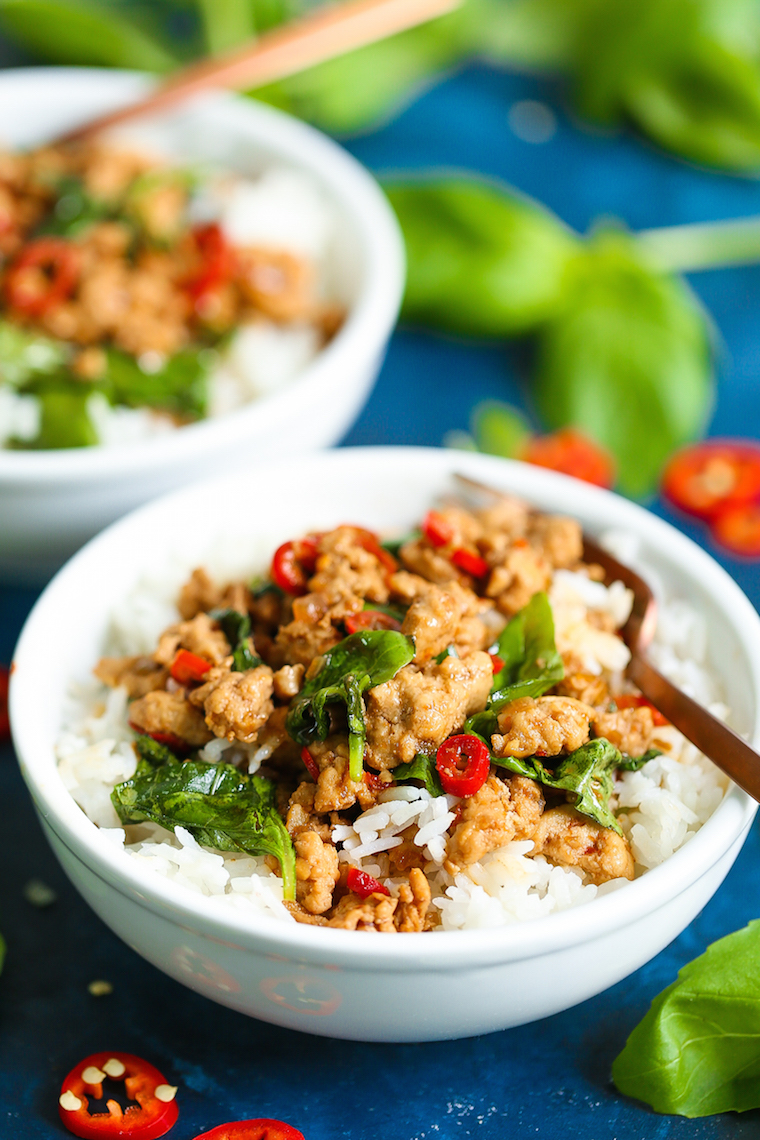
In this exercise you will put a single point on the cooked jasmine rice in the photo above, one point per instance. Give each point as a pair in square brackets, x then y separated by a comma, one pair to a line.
[660, 806]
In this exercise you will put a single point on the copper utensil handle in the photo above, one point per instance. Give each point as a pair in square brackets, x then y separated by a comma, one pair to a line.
[321, 35]
[732, 754]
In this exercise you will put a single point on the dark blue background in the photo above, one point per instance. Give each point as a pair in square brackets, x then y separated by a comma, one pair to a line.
[550, 1079]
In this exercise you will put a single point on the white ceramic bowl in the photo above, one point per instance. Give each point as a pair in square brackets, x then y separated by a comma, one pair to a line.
[333, 982]
[53, 501]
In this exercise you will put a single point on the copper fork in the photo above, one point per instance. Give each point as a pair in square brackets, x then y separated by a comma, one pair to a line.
[715, 739]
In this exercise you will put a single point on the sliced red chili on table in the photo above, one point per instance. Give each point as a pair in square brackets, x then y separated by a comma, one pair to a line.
[463, 763]
[293, 564]
[42, 276]
[188, 667]
[253, 1130]
[709, 477]
[470, 563]
[571, 453]
[370, 619]
[85, 1113]
[5, 724]
[310, 764]
[437, 530]
[636, 701]
[363, 884]
[737, 529]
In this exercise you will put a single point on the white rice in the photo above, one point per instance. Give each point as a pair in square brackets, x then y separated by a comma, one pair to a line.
[661, 806]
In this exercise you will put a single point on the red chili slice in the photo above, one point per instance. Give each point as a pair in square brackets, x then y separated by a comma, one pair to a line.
[310, 764]
[370, 619]
[737, 529]
[636, 701]
[470, 563]
[42, 276]
[572, 453]
[217, 262]
[153, 1115]
[463, 763]
[497, 663]
[709, 477]
[294, 563]
[253, 1130]
[437, 530]
[5, 724]
[176, 743]
[188, 667]
[371, 544]
[363, 884]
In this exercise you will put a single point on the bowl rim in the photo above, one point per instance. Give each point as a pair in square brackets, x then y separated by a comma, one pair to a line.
[349, 185]
[446, 949]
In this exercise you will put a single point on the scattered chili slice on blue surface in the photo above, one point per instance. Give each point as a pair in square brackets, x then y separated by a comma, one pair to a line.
[188, 667]
[571, 453]
[293, 564]
[153, 1114]
[363, 884]
[737, 529]
[463, 764]
[253, 1130]
[708, 478]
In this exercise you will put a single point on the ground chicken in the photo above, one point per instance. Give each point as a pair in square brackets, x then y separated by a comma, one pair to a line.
[440, 616]
[310, 633]
[201, 635]
[347, 572]
[201, 594]
[588, 688]
[336, 791]
[316, 872]
[521, 573]
[138, 675]
[170, 714]
[572, 840]
[413, 902]
[421, 558]
[543, 727]
[502, 810]
[301, 915]
[373, 913]
[236, 704]
[630, 730]
[300, 815]
[288, 681]
[416, 710]
[558, 540]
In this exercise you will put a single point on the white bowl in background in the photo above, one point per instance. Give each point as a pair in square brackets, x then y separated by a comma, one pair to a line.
[51, 502]
[340, 983]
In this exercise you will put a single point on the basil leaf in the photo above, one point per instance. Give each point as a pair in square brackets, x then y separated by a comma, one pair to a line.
[449, 651]
[627, 360]
[74, 209]
[74, 31]
[482, 260]
[155, 753]
[587, 773]
[180, 387]
[697, 1051]
[531, 664]
[219, 805]
[26, 356]
[421, 768]
[364, 659]
[398, 613]
[236, 627]
[633, 763]
[64, 420]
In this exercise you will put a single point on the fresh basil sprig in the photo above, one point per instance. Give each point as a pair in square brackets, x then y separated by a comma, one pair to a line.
[219, 805]
[697, 1051]
[358, 663]
[531, 663]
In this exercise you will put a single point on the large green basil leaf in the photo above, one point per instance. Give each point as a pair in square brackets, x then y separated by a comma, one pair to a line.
[358, 663]
[219, 805]
[75, 31]
[697, 1051]
[685, 71]
[627, 360]
[482, 260]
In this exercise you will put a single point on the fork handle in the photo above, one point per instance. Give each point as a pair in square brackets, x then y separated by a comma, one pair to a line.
[719, 742]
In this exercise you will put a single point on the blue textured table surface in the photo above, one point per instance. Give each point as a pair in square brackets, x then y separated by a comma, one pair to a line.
[548, 1079]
